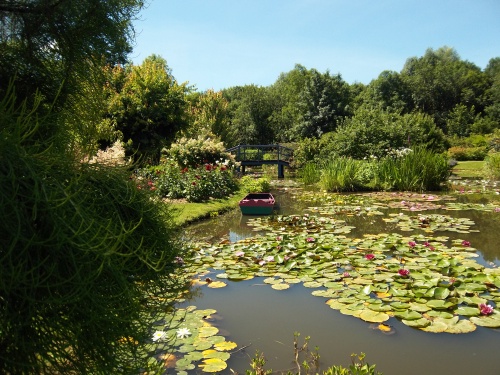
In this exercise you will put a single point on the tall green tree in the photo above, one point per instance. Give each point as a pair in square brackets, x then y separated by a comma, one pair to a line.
[250, 110]
[147, 106]
[388, 92]
[324, 102]
[492, 110]
[286, 95]
[440, 80]
[46, 43]
[209, 114]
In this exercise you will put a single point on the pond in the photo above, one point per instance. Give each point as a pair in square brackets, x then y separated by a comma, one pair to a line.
[259, 318]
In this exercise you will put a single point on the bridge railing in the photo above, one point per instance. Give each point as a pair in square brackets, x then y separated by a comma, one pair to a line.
[261, 152]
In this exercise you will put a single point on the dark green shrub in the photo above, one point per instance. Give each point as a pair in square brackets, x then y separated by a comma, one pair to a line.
[373, 132]
[467, 153]
[87, 259]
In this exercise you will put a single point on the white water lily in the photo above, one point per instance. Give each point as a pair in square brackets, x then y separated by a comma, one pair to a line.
[159, 335]
[183, 333]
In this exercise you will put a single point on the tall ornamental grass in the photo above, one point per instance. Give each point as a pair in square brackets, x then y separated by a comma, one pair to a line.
[340, 174]
[310, 173]
[419, 170]
[492, 165]
[86, 259]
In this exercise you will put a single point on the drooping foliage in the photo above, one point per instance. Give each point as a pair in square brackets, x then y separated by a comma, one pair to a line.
[86, 258]
[48, 44]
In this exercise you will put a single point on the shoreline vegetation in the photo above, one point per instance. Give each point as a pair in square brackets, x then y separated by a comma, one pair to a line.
[186, 213]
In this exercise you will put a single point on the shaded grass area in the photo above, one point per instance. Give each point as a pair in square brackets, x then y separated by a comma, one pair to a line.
[469, 169]
[186, 212]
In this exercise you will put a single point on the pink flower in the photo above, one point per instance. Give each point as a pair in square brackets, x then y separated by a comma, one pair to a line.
[465, 243]
[346, 274]
[370, 256]
[403, 272]
[239, 253]
[412, 244]
[269, 258]
[279, 238]
[485, 309]
[310, 239]
[497, 209]
[427, 244]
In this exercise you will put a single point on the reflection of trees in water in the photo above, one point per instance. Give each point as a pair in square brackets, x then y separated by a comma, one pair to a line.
[488, 238]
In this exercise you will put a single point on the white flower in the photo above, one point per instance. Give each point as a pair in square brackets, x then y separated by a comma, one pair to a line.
[159, 335]
[183, 333]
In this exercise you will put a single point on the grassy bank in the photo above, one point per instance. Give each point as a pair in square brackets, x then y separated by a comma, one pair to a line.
[469, 169]
[186, 212]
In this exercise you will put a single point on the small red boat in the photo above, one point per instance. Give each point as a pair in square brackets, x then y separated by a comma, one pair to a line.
[257, 204]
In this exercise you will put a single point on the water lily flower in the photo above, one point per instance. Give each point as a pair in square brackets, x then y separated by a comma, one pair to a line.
[178, 260]
[269, 258]
[427, 244]
[279, 238]
[239, 253]
[159, 335]
[346, 274]
[310, 239]
[485, 309]
[412, 244]
[370, 256]
[404, 272]
[183, 333]
[465, 243]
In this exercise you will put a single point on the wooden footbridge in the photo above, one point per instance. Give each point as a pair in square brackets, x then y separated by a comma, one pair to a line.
[257, 155]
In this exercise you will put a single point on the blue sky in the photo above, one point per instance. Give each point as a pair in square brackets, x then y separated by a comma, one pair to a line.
[216, 44]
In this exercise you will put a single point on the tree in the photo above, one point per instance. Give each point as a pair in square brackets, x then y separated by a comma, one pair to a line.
[440, 80]
[324, 102]
[285, 96]
[46, 43]
[209, 114]
[147, 106]
[388, 92]
[250, 110]
[492, 109]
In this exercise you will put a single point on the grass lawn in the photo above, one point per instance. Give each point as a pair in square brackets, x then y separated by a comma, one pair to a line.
[186, 212]
[469, 169]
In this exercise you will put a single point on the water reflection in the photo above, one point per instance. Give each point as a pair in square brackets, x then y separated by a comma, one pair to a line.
[260, 318]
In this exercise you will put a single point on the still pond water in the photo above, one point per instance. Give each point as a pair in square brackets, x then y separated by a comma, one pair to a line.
[259, 318]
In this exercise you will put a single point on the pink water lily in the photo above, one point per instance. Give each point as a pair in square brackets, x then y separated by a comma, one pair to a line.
[239, 253]
[269, 258]
[485, 309]
[412, 244]
[310, 239]
[370, 256]
[465, 243]
[404, 272]
[346, 274]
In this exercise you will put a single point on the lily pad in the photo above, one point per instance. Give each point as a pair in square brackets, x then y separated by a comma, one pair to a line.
[373, 316]
[213, 365]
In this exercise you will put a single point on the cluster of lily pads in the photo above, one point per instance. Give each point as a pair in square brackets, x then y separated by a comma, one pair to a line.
[187, 340]
[427, 282]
